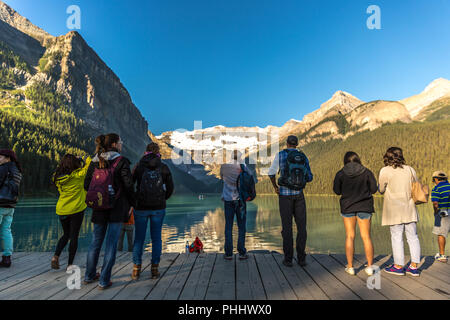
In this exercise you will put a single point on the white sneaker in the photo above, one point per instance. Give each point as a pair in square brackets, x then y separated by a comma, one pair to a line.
[369, 271]
[350, 271]
[70, 268]
[441, 257]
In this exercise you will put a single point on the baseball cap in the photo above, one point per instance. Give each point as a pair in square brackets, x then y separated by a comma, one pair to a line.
[440, 174]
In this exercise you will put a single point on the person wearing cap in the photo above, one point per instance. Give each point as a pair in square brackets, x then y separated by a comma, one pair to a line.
[10, 177]
[291, 201]
[440, 197]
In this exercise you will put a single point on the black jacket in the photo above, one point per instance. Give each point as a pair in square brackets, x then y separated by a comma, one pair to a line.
[152, 161]
[356, 184]
[123, 186]
[5, 169]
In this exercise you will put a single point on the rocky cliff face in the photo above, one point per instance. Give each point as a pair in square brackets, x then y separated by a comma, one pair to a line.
[71, 67]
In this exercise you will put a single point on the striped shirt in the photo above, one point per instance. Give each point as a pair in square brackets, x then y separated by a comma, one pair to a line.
[279, 164]
[441, 195]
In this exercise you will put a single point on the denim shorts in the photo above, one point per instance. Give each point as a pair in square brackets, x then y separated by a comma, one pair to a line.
[361, 215]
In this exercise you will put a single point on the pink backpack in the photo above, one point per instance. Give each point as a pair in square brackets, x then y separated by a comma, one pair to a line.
[101, 194]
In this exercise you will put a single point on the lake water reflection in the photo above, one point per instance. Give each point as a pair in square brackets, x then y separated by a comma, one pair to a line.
[36, 226]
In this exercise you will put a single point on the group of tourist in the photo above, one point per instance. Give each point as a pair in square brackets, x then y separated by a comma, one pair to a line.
[356, 185]
[121, 198]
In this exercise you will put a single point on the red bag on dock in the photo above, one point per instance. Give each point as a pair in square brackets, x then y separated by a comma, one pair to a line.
[196, 246]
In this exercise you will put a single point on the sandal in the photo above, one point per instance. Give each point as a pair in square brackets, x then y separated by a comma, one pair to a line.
[155, 272]
[136, 272]
[55, 262]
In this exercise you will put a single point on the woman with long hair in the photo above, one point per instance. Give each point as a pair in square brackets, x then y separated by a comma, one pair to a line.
[399, 210]
[356, 184]
[10, 177]
[69, 180]
[108, 223]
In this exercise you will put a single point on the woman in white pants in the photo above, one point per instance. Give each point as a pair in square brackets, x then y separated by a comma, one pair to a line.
[399, 210]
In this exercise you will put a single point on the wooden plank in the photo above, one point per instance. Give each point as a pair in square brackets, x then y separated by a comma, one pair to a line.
[390, 290]
[160, 288]
[243, 288]
[407, 283]
[197, 283]
[299, 287]
[138, 290]
[248, 281]
[333, 288]
[436, 269]
[256, 285]
[31, 261]
[20, 286]
[18, 255]
[120, 279]
[67, 294]
[286, 290]
[271, 285]
[176, 286]
[355, 284]
[36, 267]
[313, 288]
[222, 285]
[50, 283]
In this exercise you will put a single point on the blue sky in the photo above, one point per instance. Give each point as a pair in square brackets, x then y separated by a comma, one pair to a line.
[256, 62]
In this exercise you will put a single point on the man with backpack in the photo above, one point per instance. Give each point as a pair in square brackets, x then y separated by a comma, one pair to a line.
[238, 188]
[154, 187]
[293, 166]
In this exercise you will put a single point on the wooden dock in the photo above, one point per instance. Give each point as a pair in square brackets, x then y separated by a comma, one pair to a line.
[210, 277]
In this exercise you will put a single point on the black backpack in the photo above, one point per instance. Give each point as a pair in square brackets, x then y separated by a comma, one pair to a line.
[9, 187]
[246, 185]
[152, 189]
[294, 173]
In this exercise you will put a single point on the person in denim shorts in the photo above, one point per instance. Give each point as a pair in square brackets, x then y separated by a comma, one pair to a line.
[356, 184]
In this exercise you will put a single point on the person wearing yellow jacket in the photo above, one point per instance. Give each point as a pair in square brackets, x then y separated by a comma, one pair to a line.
[69, 179]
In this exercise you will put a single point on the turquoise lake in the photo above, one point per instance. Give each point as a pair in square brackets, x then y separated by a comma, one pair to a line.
[36, 227]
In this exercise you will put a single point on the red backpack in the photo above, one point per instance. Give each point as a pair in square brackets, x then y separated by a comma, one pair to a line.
[196, 246]
[101, 194]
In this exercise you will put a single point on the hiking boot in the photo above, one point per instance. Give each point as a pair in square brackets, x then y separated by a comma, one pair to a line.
[302, 262]
[136, 272]
[243, 256]
[96, 278]
[6, 262]
[55, 262]
[155, 272]
[100, 287]
[287, 263]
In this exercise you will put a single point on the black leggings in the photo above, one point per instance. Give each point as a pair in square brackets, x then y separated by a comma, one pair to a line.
[71, 225]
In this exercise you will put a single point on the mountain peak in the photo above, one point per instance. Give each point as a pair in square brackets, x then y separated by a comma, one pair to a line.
[437, 89]
[341, 101]
[15, 20]
[439, 83]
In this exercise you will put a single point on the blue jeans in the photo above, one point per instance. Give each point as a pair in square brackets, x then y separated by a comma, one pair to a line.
[111, 232]
[6, 239]
[141, 218]
[233, 208]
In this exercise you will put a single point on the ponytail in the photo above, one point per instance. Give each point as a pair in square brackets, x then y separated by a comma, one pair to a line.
[100, 148]
[103, 143]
